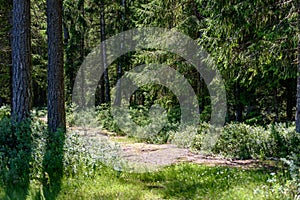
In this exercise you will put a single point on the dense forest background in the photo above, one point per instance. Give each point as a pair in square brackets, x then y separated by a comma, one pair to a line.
[253, 43]
[50, 150]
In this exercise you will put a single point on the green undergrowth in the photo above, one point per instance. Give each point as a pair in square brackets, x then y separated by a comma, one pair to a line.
[91, 168]
[182, 181]
[242, 141]
[235, 140]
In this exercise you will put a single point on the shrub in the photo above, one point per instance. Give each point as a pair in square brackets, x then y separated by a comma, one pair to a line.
[70, 114]
[243, 141]
[140, 116]
[15, 152]
[184, 137]
[4, 112]
[23, 152]
[106, 119]
[293, 162]
[150, 125]
[84, 155]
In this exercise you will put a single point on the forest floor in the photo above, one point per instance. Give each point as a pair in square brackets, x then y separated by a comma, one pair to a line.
[166, 154]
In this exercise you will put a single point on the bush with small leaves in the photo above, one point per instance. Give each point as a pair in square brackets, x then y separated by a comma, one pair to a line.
[243, 141]
[4, 112]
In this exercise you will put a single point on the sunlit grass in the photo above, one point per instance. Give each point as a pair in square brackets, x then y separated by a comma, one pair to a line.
[182, 181]
[124, 139]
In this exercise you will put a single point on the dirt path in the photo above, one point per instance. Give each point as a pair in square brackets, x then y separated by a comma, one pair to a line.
[164, 154]
[167, 154]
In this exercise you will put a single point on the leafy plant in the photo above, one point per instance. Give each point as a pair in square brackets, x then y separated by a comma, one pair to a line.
[243, 141]
[4, 111]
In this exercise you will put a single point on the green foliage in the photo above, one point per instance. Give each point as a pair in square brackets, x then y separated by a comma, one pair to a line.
[183, 137]
[245, 141]
[27, 153]
[293, 163]
[182, 181]
[15, 155]
[140, 116]
[5, 51]
[87, 165]
[4, 112]
[70, 114]
[106, 119]
[253, 44]
[278, 187]
[240, 140]
[245, 41]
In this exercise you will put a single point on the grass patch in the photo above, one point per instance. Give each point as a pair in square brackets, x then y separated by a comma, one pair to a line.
[124, 139]
[182, 181]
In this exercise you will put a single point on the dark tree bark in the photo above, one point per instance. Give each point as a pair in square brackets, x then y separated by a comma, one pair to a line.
[201, 93]
[53, 161]
[100, 92]
[298, 78]
[18, 165]
[122, 60]
[103, 49]
[68, 62]
[21, 61]
[56, 96]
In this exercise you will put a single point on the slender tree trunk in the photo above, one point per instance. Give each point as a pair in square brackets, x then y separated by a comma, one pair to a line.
[239, 106]
[68, 62]
[21, 61]
[275, 104]
[298, 78]
[201, 93]
[122, 60]
[102, 90]
[82, 54]
[56, 96]
[118, 86]
[103, 49]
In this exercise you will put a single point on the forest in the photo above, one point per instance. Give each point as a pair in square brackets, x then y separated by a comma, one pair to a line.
[150, 99]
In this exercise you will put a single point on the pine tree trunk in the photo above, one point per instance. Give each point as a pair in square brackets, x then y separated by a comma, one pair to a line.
[118, 86]
[298, 78]
[275, 104]
[103, 49]
[102, 90]
[122, 60]
[21, 61]
[68, 63]
[56, 97]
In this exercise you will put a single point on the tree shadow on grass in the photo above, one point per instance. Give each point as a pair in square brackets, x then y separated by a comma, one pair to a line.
[53, 165]
[190, 182]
